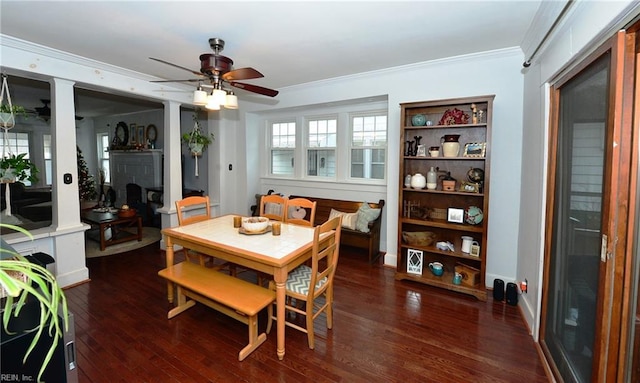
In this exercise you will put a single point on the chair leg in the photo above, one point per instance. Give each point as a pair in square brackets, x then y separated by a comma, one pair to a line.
[310, 334]
[329, 309]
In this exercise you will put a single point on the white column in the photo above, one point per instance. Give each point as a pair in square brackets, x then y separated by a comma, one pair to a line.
[172, 163]
[68, 239]
[66, 200]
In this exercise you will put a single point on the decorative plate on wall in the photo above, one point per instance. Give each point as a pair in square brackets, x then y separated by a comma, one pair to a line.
[122, 134]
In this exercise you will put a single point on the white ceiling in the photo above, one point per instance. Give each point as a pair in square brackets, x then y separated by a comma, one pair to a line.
[291, 43]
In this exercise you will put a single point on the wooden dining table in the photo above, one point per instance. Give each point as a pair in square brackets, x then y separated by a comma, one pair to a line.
[267, 253]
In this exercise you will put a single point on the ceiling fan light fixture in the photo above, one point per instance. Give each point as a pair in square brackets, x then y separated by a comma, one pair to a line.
[219, 96]
[199, 97]
[211, 103]
[231, 101]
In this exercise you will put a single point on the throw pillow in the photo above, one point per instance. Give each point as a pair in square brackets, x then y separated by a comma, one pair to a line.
[366, 214]
[348, 219]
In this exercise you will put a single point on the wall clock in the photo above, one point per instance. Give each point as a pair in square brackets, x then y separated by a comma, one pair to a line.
[152, 133]
[122, 133]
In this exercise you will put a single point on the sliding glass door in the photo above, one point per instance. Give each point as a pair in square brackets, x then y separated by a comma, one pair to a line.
[587, 220]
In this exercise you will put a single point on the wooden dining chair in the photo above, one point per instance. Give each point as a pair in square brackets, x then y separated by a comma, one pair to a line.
[307, 284]
[273, 206]
[304, 211]
[184, 219]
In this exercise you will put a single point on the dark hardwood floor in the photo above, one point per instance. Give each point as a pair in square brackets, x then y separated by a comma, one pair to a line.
[384, 331]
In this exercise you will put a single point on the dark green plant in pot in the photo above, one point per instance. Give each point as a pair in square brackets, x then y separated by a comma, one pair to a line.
[21, 169]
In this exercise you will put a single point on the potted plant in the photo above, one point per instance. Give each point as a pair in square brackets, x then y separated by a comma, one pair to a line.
[16, 167]
[8, 113]
[23, 282]
[196, 140]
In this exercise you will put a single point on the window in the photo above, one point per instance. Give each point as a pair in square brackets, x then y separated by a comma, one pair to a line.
[17, 143]
[103, 156]
[321, 148]
[368, 146]
[283, 145]
[48, 159]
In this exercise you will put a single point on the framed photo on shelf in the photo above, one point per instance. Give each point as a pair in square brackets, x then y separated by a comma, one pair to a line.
[414, 261]
[141, 139]
[475, 149]
[133, 134]
[455, 215]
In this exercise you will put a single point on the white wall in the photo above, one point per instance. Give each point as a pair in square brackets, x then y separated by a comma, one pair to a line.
[488, 73]
[586, 27]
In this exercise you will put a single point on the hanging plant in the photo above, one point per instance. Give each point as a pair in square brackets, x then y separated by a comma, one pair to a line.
[8, 111]
[196, 140]
[8, 114]
[15, 167]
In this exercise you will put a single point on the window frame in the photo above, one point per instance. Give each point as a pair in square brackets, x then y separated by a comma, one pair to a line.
[271, 148]
[101, 158]
[306, 135]
[385, 148]
[343, 111]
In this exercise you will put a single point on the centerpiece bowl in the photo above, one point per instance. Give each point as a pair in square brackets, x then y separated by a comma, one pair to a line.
[255, 224]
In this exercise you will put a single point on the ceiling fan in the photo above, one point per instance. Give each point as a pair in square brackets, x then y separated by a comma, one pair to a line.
[218, 71]
[44, 112]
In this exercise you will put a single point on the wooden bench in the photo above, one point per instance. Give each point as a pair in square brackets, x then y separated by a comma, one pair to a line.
[367, 241]
[232, 296]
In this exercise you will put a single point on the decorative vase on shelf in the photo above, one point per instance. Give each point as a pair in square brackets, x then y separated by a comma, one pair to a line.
[432, 179]
[418, 181]
[407, 181]
[450, 145]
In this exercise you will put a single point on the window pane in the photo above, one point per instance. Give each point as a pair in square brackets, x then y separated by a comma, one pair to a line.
[321, 163]
[103, 157]
[282, 162]
[48, 171]
[283, 135]
[17, 143]
[322, 133]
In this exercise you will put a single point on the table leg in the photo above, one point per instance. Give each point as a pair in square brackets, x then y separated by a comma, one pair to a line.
[139, 228]
[280, 277]
[169, 251]
[103, 242]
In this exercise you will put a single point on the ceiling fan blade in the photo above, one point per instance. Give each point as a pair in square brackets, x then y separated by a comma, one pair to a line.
[177, 66]
[255, 89]
[242, 74]
[188, 80]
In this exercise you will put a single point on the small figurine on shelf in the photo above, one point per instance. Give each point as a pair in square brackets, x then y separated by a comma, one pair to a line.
[474, 114]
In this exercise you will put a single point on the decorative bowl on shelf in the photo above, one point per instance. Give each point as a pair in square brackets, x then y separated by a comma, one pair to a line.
[255, 224]
[418, 238]
[126, 213]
